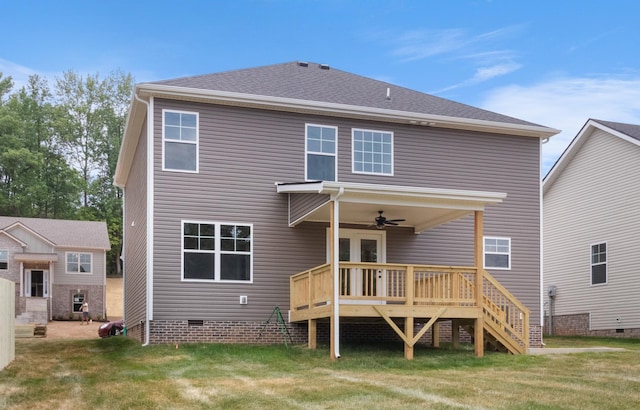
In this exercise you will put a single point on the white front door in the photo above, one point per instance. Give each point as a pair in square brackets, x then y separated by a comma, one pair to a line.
[362, 246]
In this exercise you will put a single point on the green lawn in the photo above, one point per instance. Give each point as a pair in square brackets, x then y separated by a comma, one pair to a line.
[119, 373]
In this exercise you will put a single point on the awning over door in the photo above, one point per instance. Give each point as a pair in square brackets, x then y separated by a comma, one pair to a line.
[421, 208]
[36, 257]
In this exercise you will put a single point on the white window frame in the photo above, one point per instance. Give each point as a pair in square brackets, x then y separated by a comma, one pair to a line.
[196, 142]
[73, 302]
[353, 152]
[307, 151]
[485, 252]
[217, 252]
[78, 272]
[4, 258]
[605, 263]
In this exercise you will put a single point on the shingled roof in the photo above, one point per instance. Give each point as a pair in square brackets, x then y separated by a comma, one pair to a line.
[64, 233]
[631, 130]
[321, 83]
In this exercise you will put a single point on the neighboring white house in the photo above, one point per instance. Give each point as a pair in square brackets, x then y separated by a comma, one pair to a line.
[591, 228]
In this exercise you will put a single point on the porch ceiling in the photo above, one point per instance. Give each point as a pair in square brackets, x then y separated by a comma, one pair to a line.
[422, 208]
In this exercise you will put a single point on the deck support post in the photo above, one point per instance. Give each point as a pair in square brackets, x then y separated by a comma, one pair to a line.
[408, 331]
[313, 333]
[435, 335]
[455, 334]
[479, 321]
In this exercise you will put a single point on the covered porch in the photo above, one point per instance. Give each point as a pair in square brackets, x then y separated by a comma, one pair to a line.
[401, 294]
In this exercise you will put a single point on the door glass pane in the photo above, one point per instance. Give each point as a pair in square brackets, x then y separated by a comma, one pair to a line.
[345, 250]
[37, 283]
[368, 250]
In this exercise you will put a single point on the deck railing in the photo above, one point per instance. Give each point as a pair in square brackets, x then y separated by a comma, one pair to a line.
[416, 285]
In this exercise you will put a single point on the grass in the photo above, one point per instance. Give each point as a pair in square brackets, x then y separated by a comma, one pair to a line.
[119, 373]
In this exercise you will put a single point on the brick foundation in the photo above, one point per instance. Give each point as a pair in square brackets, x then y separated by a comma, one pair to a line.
[578, 325]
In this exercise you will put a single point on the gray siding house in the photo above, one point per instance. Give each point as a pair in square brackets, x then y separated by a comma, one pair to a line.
[56, 265]
[591, 225]
[238, 184]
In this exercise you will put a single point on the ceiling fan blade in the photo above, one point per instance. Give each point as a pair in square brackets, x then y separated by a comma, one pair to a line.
[390, 223]
[396, 220]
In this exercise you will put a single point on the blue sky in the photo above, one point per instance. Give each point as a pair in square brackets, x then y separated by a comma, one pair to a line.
[556, 63]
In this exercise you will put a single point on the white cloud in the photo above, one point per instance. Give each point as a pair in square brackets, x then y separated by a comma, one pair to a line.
[566, 104]
[18, 73]
[483, 74]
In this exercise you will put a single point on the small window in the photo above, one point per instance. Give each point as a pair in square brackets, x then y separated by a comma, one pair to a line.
[497, 253]
[4, 259]
[214, 251]
[180, 141]
[78, 262]
[77, 299]
[321, 147]
[372, 152]
[599, 264]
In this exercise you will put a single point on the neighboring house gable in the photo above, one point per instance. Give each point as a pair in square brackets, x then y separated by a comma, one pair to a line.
[591, 231]
[219, 172]
[52, 262]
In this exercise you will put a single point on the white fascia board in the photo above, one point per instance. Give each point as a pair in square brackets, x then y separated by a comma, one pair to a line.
[356, 192]
[291, 104]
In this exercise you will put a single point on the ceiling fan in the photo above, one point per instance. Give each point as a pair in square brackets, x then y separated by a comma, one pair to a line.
[381, 221]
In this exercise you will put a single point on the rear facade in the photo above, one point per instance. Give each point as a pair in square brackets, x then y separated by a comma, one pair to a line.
[216, 170]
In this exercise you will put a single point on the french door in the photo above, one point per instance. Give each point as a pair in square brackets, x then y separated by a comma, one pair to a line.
[363, 246]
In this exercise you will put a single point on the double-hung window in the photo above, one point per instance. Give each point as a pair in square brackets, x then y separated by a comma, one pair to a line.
[4, 259]
[180, 141]
[599, 264]
[78, 262]
[214, 251]
[372, 152]
[321, 143]
[497, 253]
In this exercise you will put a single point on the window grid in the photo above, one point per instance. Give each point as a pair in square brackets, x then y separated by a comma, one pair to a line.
[372, 152]
[180, 141]
[321, 152]
[599, 264]
[497, 253]
[214, 251]
[79, 262]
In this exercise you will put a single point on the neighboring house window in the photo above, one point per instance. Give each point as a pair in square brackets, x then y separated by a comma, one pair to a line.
[214, 251]
[78, 262]
[4, 259]
[77, 301]
[180, 141]
[497, 253]
[321, 146]
[372, 152]
[599, 263]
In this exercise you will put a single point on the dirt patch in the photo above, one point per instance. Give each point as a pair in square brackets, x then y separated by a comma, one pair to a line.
[60, 329]
[115, 299]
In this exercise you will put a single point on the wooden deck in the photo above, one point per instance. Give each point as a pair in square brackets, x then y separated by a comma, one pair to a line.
[467, 296]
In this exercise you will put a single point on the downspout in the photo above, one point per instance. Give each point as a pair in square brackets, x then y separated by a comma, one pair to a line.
[541, 207]
[149, 288]
[336, 270]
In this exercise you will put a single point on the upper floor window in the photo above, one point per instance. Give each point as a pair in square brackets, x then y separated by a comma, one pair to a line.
[599, 263]
[78, 262]
[215, 251]
[321, 147]
[4, 259]
[372, 152]
[497, 253]
[180, 141]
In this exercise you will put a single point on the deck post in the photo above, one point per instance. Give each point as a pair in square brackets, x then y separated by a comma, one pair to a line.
[408, 331]
[479, 322]
[455, 334]
[313, 333]
[435, 335]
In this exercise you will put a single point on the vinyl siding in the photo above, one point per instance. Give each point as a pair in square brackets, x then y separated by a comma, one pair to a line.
[302, 204]
[135, 231]
[595, 200]
[96, 277]
[243, 152]
[34, 243]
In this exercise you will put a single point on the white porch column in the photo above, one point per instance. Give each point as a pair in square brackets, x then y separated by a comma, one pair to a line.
[21, 279]
[335, 261]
